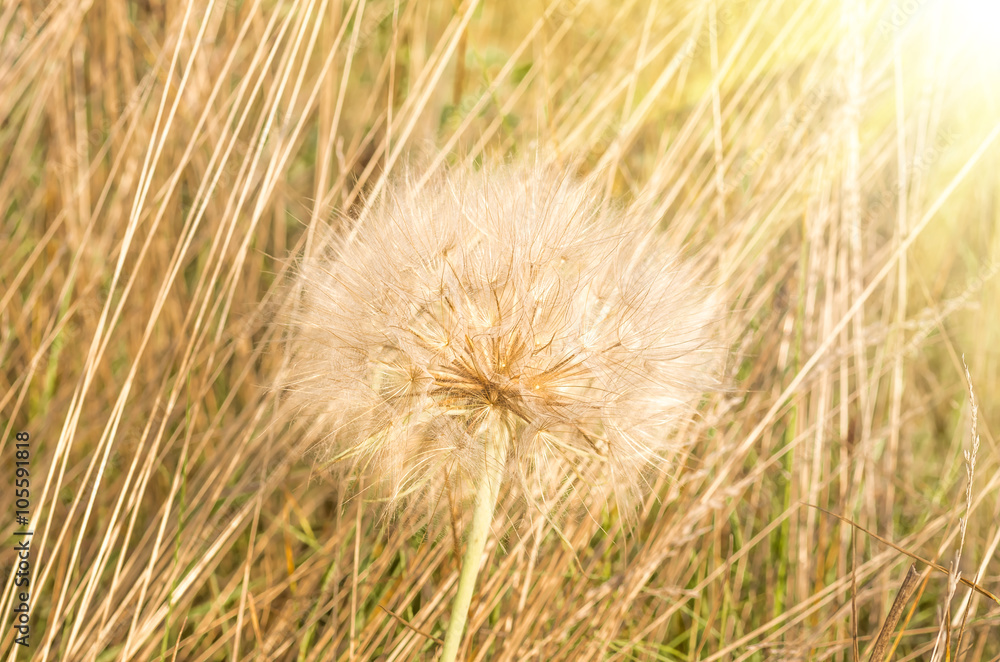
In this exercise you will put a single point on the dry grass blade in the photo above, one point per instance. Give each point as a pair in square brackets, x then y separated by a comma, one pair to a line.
[854, 598]
[906, 590]
[970, 468]
[976, 587]
[410, 626]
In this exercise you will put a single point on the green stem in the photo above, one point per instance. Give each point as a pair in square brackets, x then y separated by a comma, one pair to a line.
[479, 529]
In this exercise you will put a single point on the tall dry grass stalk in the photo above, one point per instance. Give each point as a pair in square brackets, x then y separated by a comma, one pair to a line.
[829, 166]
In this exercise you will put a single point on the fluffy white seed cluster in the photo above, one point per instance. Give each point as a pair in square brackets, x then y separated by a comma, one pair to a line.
[505, 308]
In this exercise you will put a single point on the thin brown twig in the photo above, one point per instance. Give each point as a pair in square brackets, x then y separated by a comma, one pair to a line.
[936, 566]
[407, 624]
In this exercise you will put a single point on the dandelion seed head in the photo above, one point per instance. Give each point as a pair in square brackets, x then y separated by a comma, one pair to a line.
[506, 306]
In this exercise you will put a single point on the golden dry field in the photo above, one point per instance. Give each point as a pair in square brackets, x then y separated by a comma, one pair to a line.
[179, 177]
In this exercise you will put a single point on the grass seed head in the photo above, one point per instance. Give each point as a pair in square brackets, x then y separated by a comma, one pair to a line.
[506, 306]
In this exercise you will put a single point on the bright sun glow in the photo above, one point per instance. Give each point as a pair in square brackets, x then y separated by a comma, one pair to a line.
[975, 24]
[970, 25]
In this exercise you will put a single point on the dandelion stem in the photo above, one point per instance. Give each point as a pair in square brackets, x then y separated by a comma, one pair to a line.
[479, 528]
